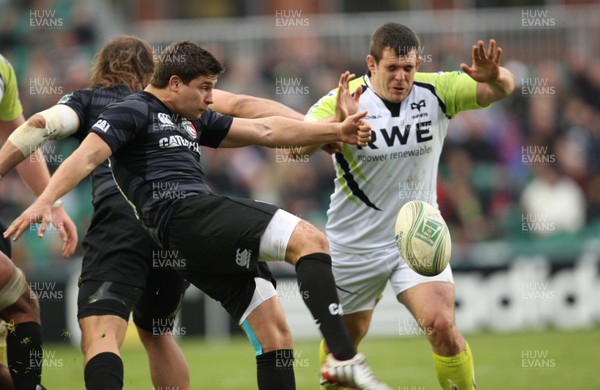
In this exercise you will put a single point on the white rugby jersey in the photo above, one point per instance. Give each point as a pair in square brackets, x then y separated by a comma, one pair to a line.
[400, 163]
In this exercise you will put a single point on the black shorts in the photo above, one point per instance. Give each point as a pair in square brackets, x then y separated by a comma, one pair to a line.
[5, 246]
[218, 238]
[124, 267]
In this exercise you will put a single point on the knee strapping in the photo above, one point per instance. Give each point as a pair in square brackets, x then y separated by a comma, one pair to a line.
[13, 289]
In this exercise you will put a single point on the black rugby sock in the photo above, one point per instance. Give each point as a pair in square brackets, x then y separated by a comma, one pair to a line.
[317, 288]
[104, 372]
[24, 355]
[275, 370]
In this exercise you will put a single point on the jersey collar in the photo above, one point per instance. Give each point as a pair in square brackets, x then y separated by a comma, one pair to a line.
[394, 108]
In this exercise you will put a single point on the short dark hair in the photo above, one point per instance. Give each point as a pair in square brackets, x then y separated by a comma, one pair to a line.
[396, 36]
[187, 60]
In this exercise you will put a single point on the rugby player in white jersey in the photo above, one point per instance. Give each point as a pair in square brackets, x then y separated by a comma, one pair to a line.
[409, 114]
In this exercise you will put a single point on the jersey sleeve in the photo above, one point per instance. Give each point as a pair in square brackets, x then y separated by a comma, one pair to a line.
[457, 90]
[10, 106]
[79, 101]
[214, 127]
[119, 123]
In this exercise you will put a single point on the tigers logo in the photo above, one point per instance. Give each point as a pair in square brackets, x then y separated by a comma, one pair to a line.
[189, 128]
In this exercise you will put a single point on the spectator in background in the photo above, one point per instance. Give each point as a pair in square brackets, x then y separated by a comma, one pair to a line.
[552, 202]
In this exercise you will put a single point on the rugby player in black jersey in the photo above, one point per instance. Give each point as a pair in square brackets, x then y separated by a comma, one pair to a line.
[153, 139]
[118, 271]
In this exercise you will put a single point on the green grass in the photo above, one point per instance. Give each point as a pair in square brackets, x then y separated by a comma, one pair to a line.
[571, 361]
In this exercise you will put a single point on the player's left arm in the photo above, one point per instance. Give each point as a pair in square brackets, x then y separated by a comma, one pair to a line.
[494, 82]
[91, 153]
[246, 106]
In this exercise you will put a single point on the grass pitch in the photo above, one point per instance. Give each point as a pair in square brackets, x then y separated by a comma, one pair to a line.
[543, 360]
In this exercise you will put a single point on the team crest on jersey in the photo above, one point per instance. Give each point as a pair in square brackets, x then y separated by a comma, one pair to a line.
[418, 105]
[189, 128]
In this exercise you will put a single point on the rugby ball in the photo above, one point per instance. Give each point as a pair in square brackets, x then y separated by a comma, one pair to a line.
[423, 238]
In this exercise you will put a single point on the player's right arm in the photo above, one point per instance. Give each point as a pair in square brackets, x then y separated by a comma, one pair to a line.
[55, 123]
[91, 153]
[246, 106]
[279, 131]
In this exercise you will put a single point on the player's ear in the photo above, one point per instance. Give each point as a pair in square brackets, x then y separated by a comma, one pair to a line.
[174, 83]
[419, 63]
[371, 64]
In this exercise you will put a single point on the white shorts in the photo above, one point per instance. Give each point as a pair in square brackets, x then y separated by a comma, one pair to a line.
[361, 278]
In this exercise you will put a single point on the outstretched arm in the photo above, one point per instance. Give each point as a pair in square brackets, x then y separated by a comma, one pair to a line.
[91, 153]
[279, 131]
[35, 174]
[245, 106]
[494, 82]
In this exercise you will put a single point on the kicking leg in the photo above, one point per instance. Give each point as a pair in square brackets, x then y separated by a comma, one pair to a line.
[307, 249]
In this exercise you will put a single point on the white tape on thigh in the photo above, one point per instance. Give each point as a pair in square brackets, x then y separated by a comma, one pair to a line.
[13, 289]
[61, 122]
[273, 242]
[264, 290]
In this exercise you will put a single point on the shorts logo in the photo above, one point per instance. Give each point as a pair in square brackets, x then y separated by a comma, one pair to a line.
[243, 258]
[336, 309]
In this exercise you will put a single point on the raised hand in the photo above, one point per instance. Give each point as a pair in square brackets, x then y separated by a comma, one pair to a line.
[345, 103]
[486, 64]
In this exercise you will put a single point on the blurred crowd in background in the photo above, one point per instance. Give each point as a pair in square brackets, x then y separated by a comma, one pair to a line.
[528, 168]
